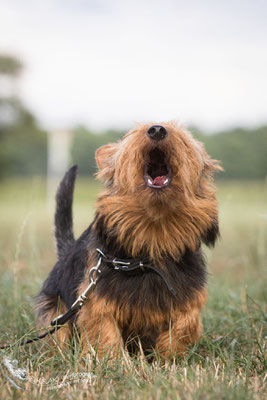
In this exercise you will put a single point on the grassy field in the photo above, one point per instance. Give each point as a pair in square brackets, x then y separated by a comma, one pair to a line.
[229, 362]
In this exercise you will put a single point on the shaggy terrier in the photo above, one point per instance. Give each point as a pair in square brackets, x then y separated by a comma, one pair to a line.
[158, 206]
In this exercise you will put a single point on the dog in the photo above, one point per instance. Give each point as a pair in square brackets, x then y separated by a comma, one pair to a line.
[158, 206]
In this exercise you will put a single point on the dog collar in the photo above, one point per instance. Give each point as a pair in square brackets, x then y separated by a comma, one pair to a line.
[135, 265]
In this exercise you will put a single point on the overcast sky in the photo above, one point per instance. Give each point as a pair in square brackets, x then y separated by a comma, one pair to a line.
[111, 63]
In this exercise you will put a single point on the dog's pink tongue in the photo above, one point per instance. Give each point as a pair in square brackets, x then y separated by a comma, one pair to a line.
[159, 180]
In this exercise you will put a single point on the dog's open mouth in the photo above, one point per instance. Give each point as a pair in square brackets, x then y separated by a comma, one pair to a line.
[157, 172]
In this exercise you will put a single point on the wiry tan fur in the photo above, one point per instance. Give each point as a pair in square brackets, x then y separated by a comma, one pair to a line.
[160, 223]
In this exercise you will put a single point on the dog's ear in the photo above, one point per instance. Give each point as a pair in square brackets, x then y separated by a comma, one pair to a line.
[211, 166]
[104, 155]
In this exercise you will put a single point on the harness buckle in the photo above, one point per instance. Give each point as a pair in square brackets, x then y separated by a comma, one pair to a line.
[120, 264]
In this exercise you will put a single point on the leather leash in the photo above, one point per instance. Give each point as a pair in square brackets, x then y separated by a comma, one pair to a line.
[127, 266]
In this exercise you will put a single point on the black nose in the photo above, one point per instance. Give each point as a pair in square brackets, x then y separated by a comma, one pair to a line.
[157, 132]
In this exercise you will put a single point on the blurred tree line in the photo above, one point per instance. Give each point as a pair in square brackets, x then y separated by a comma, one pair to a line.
[242, 152]
[23, 144]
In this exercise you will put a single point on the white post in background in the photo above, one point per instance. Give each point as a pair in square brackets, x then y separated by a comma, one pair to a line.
[58, 160]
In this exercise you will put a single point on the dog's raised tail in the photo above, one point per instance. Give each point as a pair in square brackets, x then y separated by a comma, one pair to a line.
[63, 217]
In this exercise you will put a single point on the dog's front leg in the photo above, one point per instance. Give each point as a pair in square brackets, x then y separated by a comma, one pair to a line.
[185, 328]
[99, 329]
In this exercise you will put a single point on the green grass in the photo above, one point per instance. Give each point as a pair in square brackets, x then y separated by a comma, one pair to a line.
[229, 361]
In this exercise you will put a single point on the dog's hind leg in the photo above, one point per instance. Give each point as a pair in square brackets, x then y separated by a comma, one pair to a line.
[46, 309]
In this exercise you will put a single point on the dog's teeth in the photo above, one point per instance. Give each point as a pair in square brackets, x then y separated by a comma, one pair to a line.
[150, 181]
[166, 181]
